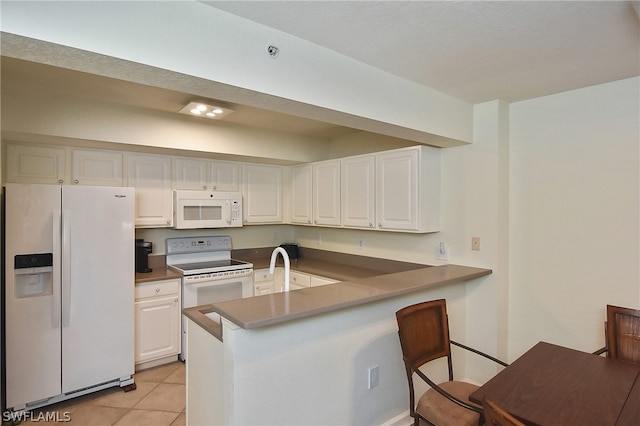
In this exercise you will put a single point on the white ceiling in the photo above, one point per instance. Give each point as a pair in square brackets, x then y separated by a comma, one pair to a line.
[474, 50]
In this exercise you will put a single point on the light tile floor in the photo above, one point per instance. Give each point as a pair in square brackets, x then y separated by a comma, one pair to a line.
[159, 400]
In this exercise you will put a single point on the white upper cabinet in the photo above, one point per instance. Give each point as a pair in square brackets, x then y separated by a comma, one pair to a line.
[196, 174]
[96, 167]
[262, 193]
[358, 191]
[315, 193]
[396, 190]
[224, 176]
[326, 193]
[150, 175]
[301, 197]
[408, 189]
[35, 164]
[43, 164]
[190, 173]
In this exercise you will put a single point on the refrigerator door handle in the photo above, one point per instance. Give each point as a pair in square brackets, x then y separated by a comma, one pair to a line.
[66, 268]
[56, 269]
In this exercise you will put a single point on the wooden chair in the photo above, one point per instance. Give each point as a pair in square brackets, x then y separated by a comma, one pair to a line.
[494, 415]
[623, 334]
[424, 336]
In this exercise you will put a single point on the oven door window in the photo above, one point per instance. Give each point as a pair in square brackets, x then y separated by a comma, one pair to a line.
[202, 212]
[218, 293]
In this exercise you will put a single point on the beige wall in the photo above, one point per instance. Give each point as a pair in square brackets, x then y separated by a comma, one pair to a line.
[574, 213]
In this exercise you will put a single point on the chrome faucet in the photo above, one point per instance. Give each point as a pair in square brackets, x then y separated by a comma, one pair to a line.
[287, 265]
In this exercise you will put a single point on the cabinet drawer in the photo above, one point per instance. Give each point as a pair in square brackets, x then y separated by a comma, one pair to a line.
[299, 279]
[264, 288]
[157, 288]
[260, 275]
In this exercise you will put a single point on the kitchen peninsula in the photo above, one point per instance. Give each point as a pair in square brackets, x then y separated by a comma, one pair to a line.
[306, 356]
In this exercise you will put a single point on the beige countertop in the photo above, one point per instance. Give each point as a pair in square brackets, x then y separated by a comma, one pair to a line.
[276, 308]
[159, 271]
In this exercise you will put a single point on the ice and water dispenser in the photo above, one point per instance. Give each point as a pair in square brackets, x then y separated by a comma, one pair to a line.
[33, 274]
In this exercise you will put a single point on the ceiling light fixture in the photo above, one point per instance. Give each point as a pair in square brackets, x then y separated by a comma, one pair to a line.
[202, 109]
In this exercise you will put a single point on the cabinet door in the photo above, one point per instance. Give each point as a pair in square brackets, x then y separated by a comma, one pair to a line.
[150, 175]
[298, 280]
[190, 173]
[157, 328]
[224, 176]
[95, 167]
[262, 191]
[260, 289]
[397, 190]
[301, 189]
[318, 281]
[358, 191]
[35, 164]
[326, 193]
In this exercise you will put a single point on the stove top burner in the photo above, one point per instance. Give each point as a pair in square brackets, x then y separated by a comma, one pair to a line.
[211, 266]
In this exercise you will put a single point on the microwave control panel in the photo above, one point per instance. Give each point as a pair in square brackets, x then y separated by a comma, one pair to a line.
[235, 211]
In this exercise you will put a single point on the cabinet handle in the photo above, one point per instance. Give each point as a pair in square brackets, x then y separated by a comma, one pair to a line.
[175, 300]
[204, 186]
[157, 290]
[215, 187]
[76, 181]
[60, 180]
[169, 222]
[370, 225]
[379, 225]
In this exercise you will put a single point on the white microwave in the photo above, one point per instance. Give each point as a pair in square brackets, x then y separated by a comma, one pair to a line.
[204, 209]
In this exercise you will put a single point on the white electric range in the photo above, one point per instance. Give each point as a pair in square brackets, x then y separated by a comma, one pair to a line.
[209, 274]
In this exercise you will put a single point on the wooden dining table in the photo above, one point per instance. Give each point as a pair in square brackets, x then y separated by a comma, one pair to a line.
[553, 385]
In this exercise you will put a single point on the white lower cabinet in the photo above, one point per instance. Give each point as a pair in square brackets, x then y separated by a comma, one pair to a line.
[316, 281]
[157, 322]
[297, 280]
[262, 282]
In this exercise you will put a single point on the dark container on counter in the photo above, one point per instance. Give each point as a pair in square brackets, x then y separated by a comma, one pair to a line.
[143, 249]
[292, 250]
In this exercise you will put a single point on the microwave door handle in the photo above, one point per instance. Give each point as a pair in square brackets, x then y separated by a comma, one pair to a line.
[228, 212]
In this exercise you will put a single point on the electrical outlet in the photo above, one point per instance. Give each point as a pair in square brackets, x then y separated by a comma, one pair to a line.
[374, 376]
[475, 243]
[361, 243]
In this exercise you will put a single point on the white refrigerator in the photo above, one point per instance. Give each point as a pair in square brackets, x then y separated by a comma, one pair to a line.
[69, 291]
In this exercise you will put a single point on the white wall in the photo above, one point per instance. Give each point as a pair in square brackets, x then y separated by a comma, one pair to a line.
[232, 51]
[574, 214]
[475, 204]
[62, 115]
[315, 370]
